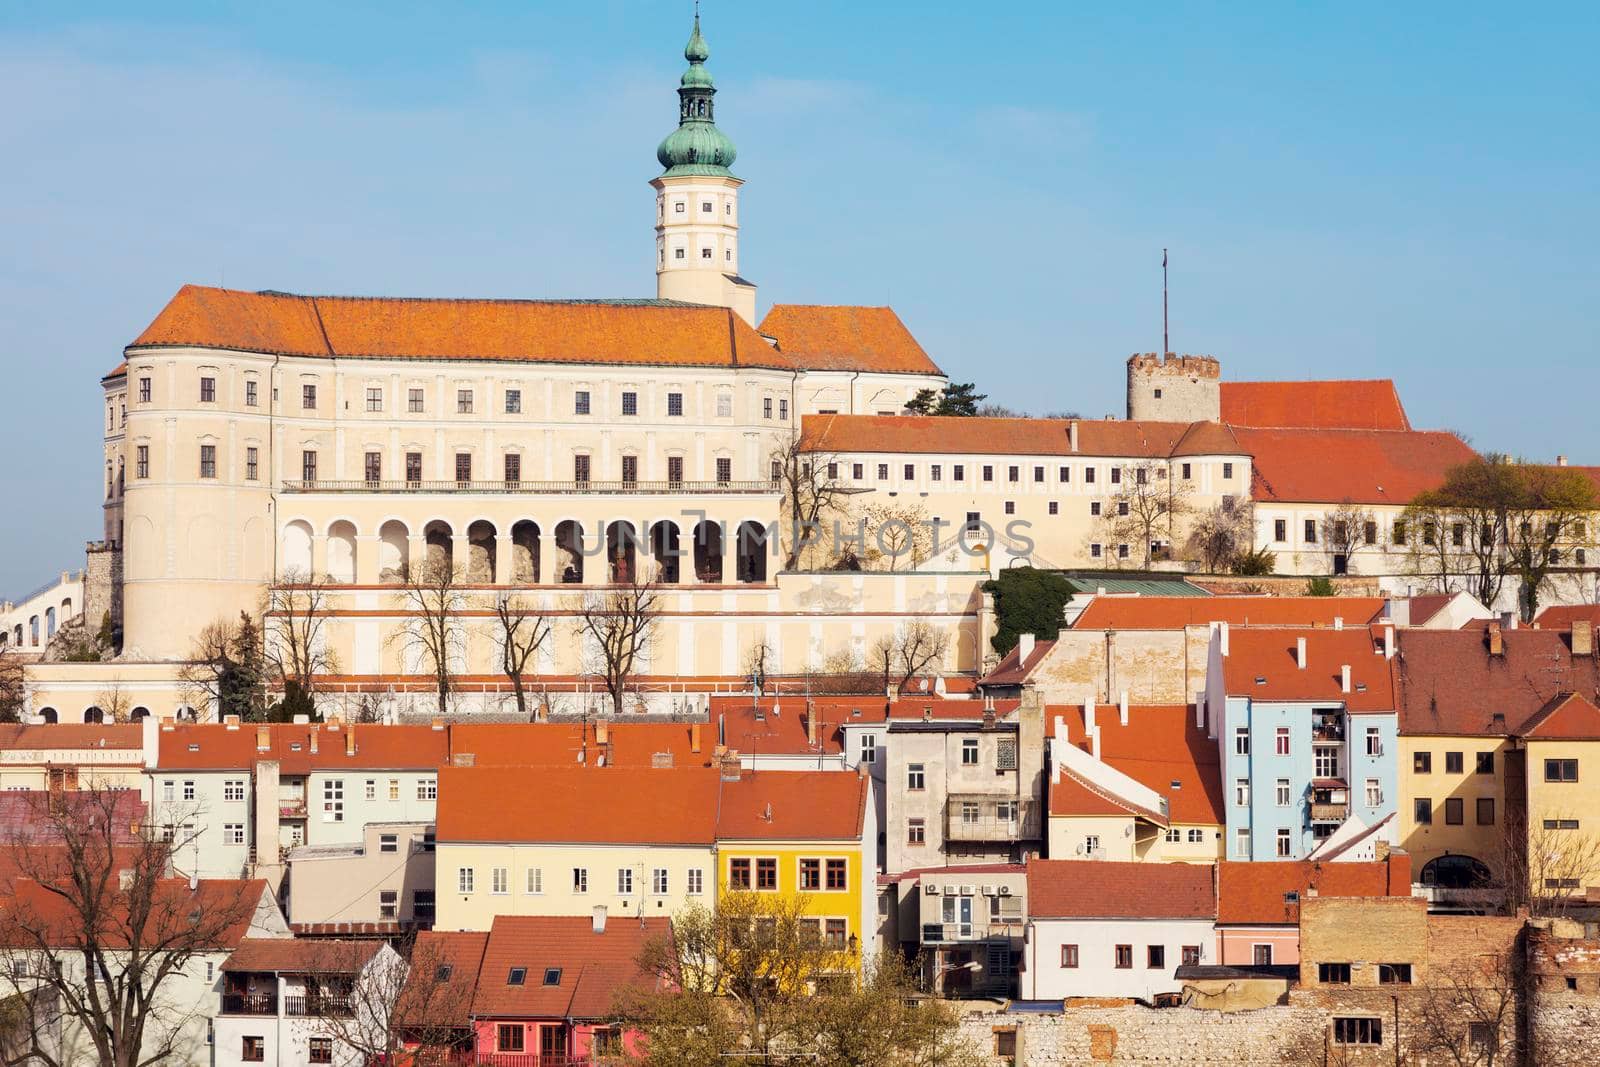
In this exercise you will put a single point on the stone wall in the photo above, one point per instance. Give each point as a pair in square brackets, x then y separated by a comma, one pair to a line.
[1286, 585]
[1190, 388]
[1564, 998]
[1140, 1035]
[102, 585]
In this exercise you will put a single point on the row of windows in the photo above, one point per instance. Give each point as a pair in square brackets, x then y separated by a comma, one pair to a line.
[1336, 532]
[1155, 956]
[500, 880]
[958, 473]
[1454, 762]
[1283, 794]
[761, 874]
[1281, 745]
[1454, 811]
[233, 789]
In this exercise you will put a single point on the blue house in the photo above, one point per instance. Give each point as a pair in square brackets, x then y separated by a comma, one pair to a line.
[1306, 731]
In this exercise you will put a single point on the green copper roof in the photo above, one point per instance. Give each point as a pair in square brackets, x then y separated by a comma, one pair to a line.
[696, 146]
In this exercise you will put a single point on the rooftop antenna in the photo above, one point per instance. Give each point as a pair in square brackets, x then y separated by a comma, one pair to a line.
[1166, 345]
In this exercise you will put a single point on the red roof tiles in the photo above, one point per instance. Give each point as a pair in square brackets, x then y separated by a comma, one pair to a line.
[1106, 889]
[1450, 683]
[588, 968]
[214, 746]
[1349, 405]
[1255, 893]
[1176, 612]
[792, 806]
[1562, 616]
[1160, 745]
[1361, 466]
[1570, 717]
[297, 955]
[848, 338]
[443, 978]
[634, 805]
[1261, 664]
[945, 434]
[42, 736]
[570, 744]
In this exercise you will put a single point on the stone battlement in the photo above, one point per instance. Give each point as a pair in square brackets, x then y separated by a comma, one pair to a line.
[1173, 365]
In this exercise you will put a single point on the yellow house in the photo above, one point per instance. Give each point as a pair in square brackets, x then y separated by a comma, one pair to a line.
[1560, 747]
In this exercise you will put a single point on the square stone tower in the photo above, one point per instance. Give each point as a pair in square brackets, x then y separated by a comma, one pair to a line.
[1173, 388]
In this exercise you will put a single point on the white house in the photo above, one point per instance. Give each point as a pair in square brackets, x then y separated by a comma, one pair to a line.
[1098, 928]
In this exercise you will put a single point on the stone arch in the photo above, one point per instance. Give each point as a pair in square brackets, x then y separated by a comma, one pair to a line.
[569, 551]
[1456, 871]
[751, 552]
[66, 608]
[708, 552]
[525, 551]
[441, 545]
[664, 551]
[342, 551]
[294, 560]
[33, 630]
[622, 555]
[139, 713]
[394, 551]
[49, 623]
[481, 552]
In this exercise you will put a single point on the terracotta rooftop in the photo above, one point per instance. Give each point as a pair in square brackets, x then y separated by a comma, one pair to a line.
[298, 955]
[227, 908]
[792, 806]
[847, 338]
[567, 970]
[443, 978]
[955, 435]
[1360, 466]
[1348, 405]
[45, 736]
[1450, 683]
[630, 332]
[1562, 616]
[1013, 669]
[1176, 612]
[1569, 717]
[1108, 889]
[1076, 797]
[214, 746]
[570, 744]
[1160, 745]
[1258, 893]
[28, 815]
[622, 805]
[1261, 665]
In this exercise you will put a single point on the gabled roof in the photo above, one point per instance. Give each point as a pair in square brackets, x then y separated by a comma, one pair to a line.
[792, 806]
[1561, 616]
[1350, 405]
[593, 967]
[1106, 889]
[1258, 893]
[1176, 612]
[1073, 796]
[1568, 717]
[846, 338]
[295, 955]
[1450, 683]
[1013, 669]
[626, 332]
[443, 979]
[1261, 665]
[571, 744]
[224, 907]
[1361, 466]
[618, 805]
[956, 435]
[1160, 745]
[216, 746]
[71, 735]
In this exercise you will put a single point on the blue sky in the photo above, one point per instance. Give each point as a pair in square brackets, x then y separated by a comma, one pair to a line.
[1354, 190]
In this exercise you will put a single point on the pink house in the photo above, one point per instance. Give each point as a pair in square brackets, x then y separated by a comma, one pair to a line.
[1258, 904]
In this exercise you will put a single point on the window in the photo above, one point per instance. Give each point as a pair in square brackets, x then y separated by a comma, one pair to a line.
[1069, 955]
[1453, 762]
[374, 398]
[1422, 811]
[508, 1037]
[308, 465]
[1454, 811]
[630, 403]
[1191, 955]
[1486, 811]
[373, 466]
[1485, 763]
[767, 874]
[1227, 470]
[1053, 507]
[208, 390]
[463, 468]
[414, 467]
[1088, 475]
[254, 1050]
[969, 752]
[1280, 529]
[513, 465]
[1422, 762]
[233, 789]
[1311, 531]
[724, 405]
[630, 470]
[580, 402]
[838, 877]
[1283, 793]
[958, 472]
[1186, 472]
[308, 397]
[1241, 843]
[1284, 843]
[1124, 956]
[1481, 1035]
[1116, 475]
[1196, 835]
[916, 832]
[910, 472]
[167, 791]
[833, 471]
[1241, 741]
[1394, 974]
[810, 875]
[739, 874]
[1261, 955]
[208, 461]
[464, 878]
[1374, 793]
[1561, 770]
[580, 879]
[1361, 1030]
[252, 465]
[658, 881]
[624, 881]
[1011, 507]
[394, 789]
[1333, 973]
[388, 904]
[914, 776]
[1241, 792]
[869, 748]
[1281, 741]
[988, 473]
[724, 470]
[233, 833]
[144, 390]
[580, 469]
[141, 461]
[1374, 742]
[694, 883]
[463, 401]
[1155, 957]
[1561, 824]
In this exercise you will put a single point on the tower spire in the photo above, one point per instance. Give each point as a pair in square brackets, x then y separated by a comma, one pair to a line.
[696, 146]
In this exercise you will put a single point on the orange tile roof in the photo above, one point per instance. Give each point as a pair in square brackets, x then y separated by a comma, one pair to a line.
[638, 333]
[560, 744]
[296, 955]
[1261, 665]
[848, 338]
[594, 967]
[429, 1000]
[948, 434]
[623, 805]
[1350, 405]
[1561, 616]
[792, 806]
[1160, 745]
[1570, 717]
[1253, 893]
[1109, 889]
[28, 911]
[1451, 684]
[1176, 612]
[1074, 796]
[1361, 466]
[1011, 670]
[214, 746]
[71, 735]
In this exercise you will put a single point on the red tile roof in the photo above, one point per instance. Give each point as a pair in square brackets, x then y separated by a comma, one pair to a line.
[443, 978]
[1012, 670]
[31, 815]
[1570, 717]
[1106, 889]
[1160, 745]
[29, 912]
[1176, 612]
[621, 805]
[593, 967]
[1450, 684]
[638, 333]
[560, 744]
[214, 746]
[1075, 797]
[1350, 405]
[69, 735]
[832, 337]
[1254, 893]
[1561, 616]
[946, 434]
[792, 806]
[1361, 466]
[1261, 665]
[296, 955]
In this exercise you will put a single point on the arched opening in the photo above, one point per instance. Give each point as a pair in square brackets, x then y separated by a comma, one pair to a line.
[569, 552]
[752, 552]
[394, 551]
[294, 560]
[186, 714]
[66, 608]
[33, 629]
[664, 551]
[48, 714]
[342, 552]
[708, 551]
[49, 622]
[16, 639]
[441, 546]
[525, 552]
[622, 556]
[139, 713]
[93, 714]
[480, 552]
[1456, 872]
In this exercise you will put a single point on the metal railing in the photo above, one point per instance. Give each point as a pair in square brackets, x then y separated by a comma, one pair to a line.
[317, 1007]
[361, 485]
[249, 1004]
[979, 818]
[942, 933]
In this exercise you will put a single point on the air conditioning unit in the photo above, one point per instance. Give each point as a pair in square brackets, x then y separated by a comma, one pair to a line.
[931, 890]
[967, 890]
[949, 890]
[987, 890]
[1005, 891]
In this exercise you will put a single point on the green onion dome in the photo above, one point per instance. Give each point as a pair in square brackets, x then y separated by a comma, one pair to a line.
[696, 146]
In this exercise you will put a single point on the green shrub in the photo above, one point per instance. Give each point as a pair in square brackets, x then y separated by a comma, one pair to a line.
[1027, 601]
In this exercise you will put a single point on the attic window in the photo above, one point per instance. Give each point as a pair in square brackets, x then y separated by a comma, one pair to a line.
[194, 746]
[1261, 679]
[1176, 784]
[1292, 897]
[443, 973]
[552, 976]
[517, 976]
[294, 746]
[1361, 687]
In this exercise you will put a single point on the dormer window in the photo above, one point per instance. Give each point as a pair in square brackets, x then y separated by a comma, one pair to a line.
[517, 976]
[552, 976]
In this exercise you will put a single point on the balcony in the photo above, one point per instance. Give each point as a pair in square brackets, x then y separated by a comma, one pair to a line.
[989, 818]
[318, 1007]
[249, 1004]
[291, 808]
[1329, 811]
[593, 488]
[956, 932]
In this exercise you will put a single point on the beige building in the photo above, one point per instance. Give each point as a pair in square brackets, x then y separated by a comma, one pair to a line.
[387, 878]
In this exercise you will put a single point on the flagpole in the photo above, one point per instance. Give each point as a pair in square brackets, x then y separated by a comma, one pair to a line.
[1166, 345]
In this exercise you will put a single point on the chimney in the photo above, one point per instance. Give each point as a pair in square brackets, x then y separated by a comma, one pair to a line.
[1344, 678]
[602, 733]
[599, 918]
[1122, 709]
[1094, 743]
[1088, 719]
[314, 733]
[1222, 636]
[694, 737]
[1024, 648]
[1300, 652]
[350, 740]
[1497, 641]
[1582, 637]
[811, 726]
[1508, 620]
[1388, 642]
[1072, 435]
[231, 721]
[1561, 461]
[1338, 622]
[263, 738]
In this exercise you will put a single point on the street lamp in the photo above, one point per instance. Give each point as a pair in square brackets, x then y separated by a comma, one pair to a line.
[938, 986]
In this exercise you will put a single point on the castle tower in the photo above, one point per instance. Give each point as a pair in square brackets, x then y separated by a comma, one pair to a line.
[1173, 388]
[697, 200]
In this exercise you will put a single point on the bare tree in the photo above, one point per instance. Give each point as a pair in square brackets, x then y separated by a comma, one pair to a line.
[523, 630]
[806, 474]
[616, 626]
[1146, 507]
[898, 534]
[912, 649]
[1222, 534]
[113, 701]
[435, 634]
[295, 612]
[400, 1001]
[1546, 862]
[1467, 1013]
[1346, 530]
[95, 935]
[13, 688]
